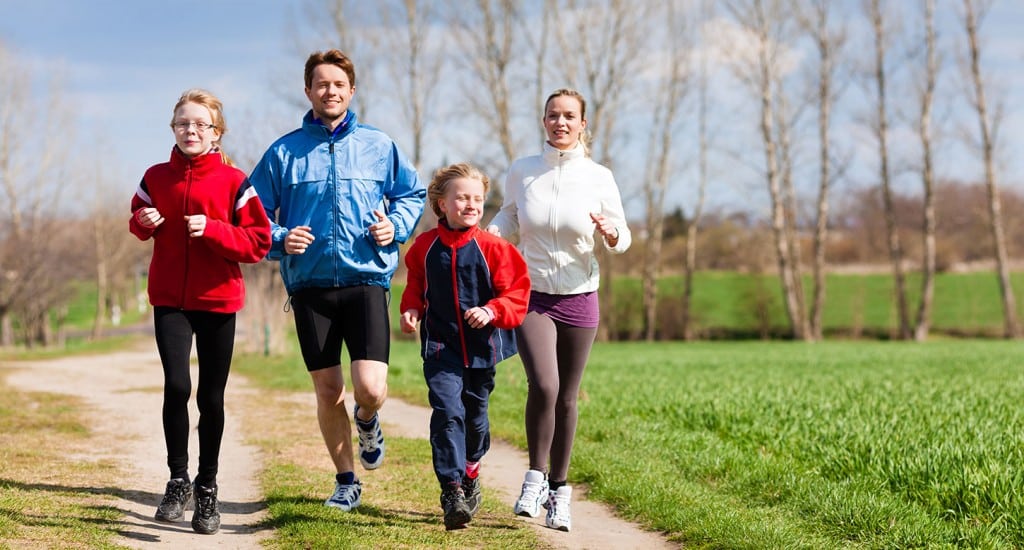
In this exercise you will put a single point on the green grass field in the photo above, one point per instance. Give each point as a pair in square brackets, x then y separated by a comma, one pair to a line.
[785, 445]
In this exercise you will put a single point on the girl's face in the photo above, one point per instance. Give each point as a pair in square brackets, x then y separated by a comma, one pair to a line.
[193, 129]
[563, 122]
[463, 203]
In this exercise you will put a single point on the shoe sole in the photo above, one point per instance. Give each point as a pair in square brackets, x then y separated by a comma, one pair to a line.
[340, 507]
[205, 530]
[458, 520]
[168, 519]
[372, 465]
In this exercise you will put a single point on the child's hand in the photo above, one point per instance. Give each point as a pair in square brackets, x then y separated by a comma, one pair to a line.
[409, 320]
[149, 217]
[196, 225]
[478, 317]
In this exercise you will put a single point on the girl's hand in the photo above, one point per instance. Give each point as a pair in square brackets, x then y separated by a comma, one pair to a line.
[149, 217]
[196, 225]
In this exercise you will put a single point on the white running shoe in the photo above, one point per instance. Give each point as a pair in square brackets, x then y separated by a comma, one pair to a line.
[535, 493]
[345, 497]
[558, 509]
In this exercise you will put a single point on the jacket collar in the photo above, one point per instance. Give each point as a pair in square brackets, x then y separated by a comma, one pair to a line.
[455, 238]
[313, 127]
[553, 156]
[202, 163]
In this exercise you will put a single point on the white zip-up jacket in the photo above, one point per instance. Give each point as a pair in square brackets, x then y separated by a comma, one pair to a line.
[548, 202]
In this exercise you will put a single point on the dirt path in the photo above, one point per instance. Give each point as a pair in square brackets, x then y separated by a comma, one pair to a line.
[123, 392]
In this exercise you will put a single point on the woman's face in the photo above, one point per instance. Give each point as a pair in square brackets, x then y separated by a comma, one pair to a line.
[563, 122]
[193, 129]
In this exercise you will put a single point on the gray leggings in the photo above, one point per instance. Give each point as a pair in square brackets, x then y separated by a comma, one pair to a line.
[554, 355]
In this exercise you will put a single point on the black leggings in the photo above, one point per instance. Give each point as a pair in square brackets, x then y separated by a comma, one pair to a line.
[554, 355]
[215, 340]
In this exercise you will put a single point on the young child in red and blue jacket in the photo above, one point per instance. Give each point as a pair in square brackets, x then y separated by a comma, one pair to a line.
[468, 289]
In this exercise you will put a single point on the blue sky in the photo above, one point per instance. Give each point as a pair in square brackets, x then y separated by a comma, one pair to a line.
[123, 64]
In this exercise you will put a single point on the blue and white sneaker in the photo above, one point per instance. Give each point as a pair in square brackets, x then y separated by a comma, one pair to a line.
[371, 441]
[345, 497]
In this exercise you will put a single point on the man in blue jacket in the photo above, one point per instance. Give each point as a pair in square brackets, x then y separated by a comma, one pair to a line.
[340, 197]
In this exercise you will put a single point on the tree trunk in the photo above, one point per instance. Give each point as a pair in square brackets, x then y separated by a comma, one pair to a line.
[924, 309]
[101, 280]
[1011, 328]
[882, 130]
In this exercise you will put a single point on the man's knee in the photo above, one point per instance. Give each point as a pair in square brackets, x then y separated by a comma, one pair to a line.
[328, 385]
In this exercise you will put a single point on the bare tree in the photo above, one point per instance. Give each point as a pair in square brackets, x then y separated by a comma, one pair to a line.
[926, 95]
[988, 128]
[32, 133]
[828, 42]
[604, 43]
[693, 224]
[765, 21]
[112, 253]
[415, 64]
[880, 125]
[488, 55]
[671, 87]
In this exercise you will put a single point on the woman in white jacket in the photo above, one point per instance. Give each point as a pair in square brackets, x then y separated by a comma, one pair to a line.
[560, 204]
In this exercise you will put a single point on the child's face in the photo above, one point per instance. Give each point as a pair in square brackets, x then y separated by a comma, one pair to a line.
[463, 204]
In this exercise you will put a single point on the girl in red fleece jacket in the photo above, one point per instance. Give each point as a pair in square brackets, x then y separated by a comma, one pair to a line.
[204, 218]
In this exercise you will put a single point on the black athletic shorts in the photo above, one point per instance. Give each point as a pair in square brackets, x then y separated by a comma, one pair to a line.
[355, 315]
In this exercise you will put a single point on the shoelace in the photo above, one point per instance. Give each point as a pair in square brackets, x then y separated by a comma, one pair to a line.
[206, 505]
[531, 491]
[368, 439]
[345, 493]
[559, 510]
[450, 497]
[176, 493]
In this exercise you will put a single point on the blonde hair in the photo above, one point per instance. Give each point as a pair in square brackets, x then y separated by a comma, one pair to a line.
[216, 108]
[585, 136]
[443, 176]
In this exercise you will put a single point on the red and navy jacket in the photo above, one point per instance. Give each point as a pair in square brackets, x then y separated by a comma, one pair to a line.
[200, 273]
[451, 272]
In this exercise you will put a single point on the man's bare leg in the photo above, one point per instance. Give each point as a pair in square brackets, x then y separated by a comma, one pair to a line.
[333, 416]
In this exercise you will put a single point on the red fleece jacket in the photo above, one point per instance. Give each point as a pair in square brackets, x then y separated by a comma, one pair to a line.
[200, 273]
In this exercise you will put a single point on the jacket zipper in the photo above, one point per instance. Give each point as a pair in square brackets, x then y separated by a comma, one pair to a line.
[554, 214]
[458, 311]
[188, 239]
[334, 209]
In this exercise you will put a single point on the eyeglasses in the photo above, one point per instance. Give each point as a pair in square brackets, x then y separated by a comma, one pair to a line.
[200, 126]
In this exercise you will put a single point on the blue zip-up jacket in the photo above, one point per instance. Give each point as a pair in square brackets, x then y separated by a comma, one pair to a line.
[333, 183]
[453, 271]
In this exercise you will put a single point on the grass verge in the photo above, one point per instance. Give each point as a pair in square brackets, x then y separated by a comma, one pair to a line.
[47, 498]
[789, 445]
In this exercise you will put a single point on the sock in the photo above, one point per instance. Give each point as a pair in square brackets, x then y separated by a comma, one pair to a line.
[472, 469]
[210, 483]
[346, 478]
[366, 424]
[554, 485]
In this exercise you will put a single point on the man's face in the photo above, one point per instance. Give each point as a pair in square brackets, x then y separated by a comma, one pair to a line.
[329, 93]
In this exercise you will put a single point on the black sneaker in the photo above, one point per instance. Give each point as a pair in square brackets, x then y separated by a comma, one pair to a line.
[453, 502]
[176, 499]
[206, 519]
[471, 488]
